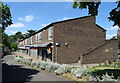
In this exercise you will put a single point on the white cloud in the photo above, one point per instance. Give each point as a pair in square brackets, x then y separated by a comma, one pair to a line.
[13, 32]
[113, 28]
[44, 25]
[64, 18]
[27, 18]
[17, 25]
[110, 36]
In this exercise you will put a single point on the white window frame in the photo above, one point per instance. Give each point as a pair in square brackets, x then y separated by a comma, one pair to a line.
[39, 36]
[50, 33]
[28, 40]
[36, 37]
[31, 40]
[25, 41]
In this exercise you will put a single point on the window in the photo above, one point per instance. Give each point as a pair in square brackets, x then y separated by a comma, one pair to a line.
[22, 42]
[50, 33]
[36, 37]
[25, 41]
[30, 40]
[39, 37]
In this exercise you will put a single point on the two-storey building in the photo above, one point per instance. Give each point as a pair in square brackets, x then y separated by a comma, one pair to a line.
[66, 41]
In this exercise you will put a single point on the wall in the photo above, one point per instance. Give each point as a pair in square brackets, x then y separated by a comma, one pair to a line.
[100, 55]
[80, 34]
[44, 37]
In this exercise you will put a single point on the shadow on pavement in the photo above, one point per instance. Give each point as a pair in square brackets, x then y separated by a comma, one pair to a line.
[6, 53]
[14, 73]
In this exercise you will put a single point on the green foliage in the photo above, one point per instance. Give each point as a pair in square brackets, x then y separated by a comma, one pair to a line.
[112, 65]
[62, 69]
[14, 46]
[6, 41]
[95, 75]
[6, 16]
[104, 77]
[93, 10]
[79, 72]
[29, 33]
[18, 35]
[115, 15]
[92, 6]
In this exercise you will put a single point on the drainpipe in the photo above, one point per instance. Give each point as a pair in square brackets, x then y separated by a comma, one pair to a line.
[57, 45]
[56, 54]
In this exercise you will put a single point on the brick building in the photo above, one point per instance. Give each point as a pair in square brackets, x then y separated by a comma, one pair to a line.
[70, 41]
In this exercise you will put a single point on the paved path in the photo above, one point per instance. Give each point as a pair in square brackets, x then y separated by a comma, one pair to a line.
[14, 71]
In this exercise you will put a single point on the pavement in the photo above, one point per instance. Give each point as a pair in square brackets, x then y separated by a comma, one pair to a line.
[15, 71]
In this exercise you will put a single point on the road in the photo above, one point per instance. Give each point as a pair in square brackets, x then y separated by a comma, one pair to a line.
[14, 71]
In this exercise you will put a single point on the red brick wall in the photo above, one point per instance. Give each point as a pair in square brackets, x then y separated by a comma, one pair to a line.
[80, 34]
[99, 55]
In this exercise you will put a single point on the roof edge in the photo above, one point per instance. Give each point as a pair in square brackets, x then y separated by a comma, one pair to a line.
[101, 27]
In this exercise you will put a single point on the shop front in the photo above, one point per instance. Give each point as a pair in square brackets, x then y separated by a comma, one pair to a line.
[33, 52]
[22, 49]
[40, 51]
[45, 51]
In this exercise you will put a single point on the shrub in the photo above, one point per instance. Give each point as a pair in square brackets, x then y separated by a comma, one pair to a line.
[42, 65]
[78, 72]
[62, 69]
[17, 58]
[105, 77]
[52, 66]
[33, 63]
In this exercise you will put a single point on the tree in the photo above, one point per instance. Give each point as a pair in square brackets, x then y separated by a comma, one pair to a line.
[14, 47]
[29, 33]
[93, 10]
[6, 16]
[92, 6]
[115, 15]
[19, 35]
[5, 21]
[6, 42]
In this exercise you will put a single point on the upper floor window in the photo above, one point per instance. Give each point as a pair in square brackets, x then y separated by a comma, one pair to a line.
[50, 33]
[39, 36]
[31, 40]
[22, 42]
[28, 40]
[25, 41]
[36, 37]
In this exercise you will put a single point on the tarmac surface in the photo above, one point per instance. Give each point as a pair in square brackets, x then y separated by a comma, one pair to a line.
[15, 71]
